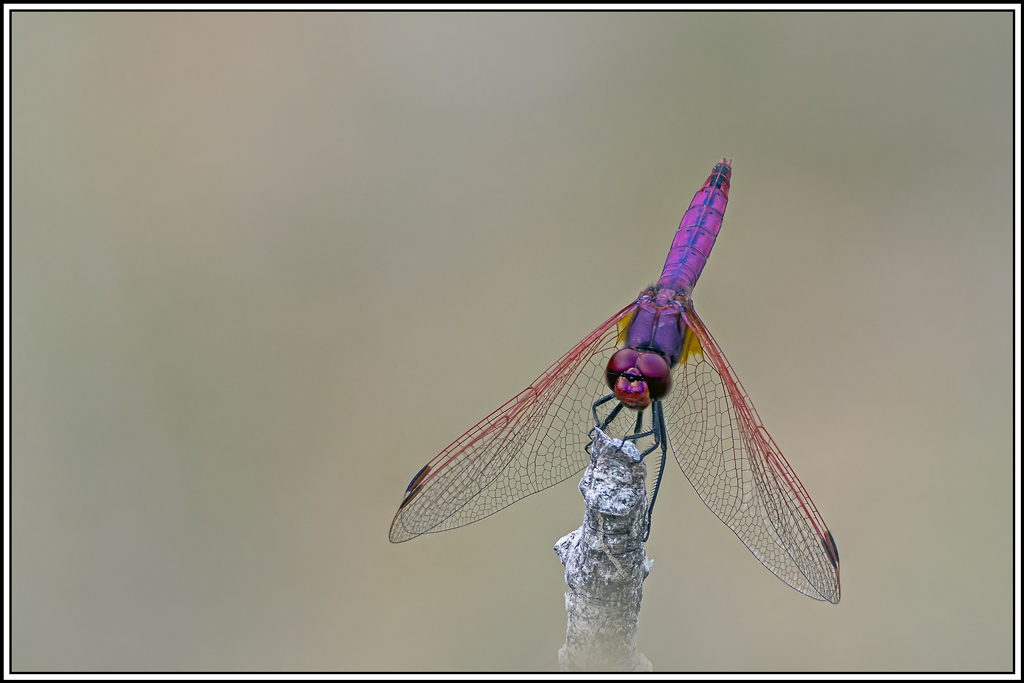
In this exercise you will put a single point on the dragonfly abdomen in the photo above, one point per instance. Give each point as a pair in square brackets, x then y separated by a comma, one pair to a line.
[698, 231]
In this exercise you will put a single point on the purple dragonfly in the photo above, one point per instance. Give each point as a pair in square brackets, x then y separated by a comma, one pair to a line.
[653, 354]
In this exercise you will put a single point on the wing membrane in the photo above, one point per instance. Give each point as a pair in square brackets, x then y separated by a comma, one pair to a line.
[535, 440]
[740, 474]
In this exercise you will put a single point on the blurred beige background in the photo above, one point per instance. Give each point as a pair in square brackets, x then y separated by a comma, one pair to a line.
[266, 265]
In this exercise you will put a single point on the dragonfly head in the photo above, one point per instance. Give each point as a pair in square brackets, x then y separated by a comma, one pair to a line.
[638, 377]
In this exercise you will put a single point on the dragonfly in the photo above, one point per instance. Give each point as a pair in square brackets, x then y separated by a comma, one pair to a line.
[653, 357]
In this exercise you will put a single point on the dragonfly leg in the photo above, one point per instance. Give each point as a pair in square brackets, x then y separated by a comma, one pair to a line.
[660, 439]
[637, 434]
[611, 416]
[640, 435]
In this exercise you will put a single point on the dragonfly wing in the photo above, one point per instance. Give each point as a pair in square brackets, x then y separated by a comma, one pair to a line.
[533, 441]
[739, 472]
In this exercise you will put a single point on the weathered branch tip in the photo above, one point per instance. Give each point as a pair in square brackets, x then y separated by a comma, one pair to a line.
[605, 562]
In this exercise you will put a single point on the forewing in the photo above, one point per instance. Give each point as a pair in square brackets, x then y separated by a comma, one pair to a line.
[533, 441]
[739, 472]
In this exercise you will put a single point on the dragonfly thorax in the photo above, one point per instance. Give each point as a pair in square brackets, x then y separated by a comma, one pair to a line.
[657, 324]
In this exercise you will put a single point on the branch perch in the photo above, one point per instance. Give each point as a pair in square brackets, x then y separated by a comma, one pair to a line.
[605, 562]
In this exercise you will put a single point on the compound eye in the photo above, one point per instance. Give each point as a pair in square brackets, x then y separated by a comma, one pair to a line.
[656, 372]
[622, 360]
